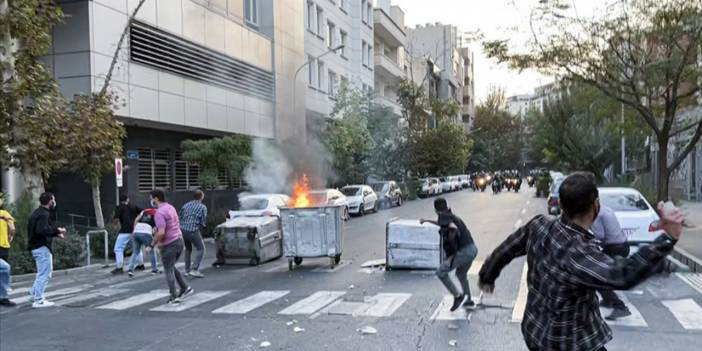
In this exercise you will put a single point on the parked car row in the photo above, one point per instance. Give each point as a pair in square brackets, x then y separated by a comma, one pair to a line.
[438, 185]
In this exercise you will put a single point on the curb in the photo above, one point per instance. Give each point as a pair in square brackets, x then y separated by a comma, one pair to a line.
[688, 259]
[19, 277]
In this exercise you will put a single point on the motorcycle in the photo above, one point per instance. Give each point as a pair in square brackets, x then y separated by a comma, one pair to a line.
[509, 183]
[496, 186]
[531, 181]
[481, 184]
[517, 185]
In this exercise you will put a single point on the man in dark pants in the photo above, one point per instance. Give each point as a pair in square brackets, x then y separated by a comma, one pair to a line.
[607, 230]
[460, 251]
[567, 266]
[193, 218]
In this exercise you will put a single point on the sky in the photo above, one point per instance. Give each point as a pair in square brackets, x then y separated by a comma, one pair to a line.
[496, 19]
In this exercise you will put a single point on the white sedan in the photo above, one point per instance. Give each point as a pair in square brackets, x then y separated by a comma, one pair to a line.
[330, 197]
[636, 216]
[361, 198]
[260, 205]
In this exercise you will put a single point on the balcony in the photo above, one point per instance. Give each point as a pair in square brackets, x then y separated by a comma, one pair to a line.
[389, 102]
[387, 30]
[388, 69]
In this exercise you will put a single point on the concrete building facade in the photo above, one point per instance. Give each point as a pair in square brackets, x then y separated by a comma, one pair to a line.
[390, 59]
[189, 69]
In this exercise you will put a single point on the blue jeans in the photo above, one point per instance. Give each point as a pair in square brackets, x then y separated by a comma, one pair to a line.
[124, 239]
[141, 240]
[45, 266]
[4, 278]
[461, 262]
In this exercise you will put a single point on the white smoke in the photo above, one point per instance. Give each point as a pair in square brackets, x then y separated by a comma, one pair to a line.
[269, 170]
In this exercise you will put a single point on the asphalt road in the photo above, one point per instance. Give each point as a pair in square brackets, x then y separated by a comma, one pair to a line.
[238, 307]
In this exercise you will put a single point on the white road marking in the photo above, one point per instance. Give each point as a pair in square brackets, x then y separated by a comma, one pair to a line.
[89, 296]
[252, 302]
[382, 305]
[443, 311]
[59, 292]
[337, 267]
[313, 303]
[528, 202]
[687, 312]
[694, 280]
[19, 291]
[191, 301]
[635, 320]
[278, 268]
[523, 211]
[475, 267]
[136, 300]
[518, 223]
[520, 303]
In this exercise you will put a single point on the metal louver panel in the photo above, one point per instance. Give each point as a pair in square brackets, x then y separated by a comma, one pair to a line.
[164, 51]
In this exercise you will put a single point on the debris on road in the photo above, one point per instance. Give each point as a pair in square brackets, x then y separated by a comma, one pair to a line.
[291, 322]
[351, 287]
[298, 329]
[265, 344]
[374, 263]
[453, 343]
[452, 326]
[368, 330]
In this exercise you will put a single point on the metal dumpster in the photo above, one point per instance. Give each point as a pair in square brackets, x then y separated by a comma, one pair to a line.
[255, 238]
[312, 232]
[411, 245]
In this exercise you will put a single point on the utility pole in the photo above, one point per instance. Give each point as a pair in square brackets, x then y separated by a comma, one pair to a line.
[623, 146]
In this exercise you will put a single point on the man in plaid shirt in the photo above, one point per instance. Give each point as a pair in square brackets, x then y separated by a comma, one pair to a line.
[567, 267]
[193, 218]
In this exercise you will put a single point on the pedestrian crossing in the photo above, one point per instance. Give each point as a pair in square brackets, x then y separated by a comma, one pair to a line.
[685, 309]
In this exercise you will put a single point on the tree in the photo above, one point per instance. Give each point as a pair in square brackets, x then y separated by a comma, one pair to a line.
[229, 155]
[498, 135]
[645, 58]
[387, 159]
[347, 137]
[441, 151]
[31, 127]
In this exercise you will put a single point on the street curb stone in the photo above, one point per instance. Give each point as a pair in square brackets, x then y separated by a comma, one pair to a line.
[686, 258]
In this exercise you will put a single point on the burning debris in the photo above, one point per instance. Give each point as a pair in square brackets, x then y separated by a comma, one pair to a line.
[301, 193]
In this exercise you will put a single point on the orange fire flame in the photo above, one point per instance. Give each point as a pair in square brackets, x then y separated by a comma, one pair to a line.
[301, 192]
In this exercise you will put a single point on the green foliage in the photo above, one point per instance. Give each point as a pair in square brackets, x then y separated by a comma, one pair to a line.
[443, 150]
[388, 159]
[498, 136]
[69, 252]
[229, 154]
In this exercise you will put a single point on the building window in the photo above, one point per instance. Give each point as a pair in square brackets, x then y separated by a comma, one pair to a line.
[333, 82]
[186, 174]
[310, 15]
[331, 38]
[344, 42]
[363, 10]
[370, 56]
[369, 13]
[320, 75]
[344, 81]
[310, 71]
[154, 170]
[342, 5]
[320, 23]
[364, 52]
[251, 11]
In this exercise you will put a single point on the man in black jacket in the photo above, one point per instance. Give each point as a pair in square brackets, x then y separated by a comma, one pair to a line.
[567, 267]
[41, 231]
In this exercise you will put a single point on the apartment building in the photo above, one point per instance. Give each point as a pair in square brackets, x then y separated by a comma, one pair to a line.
[189, 69]
[390, 59]
[329, 24]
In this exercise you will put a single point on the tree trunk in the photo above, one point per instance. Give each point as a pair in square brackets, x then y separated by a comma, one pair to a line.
[663, 179]
[97, 205]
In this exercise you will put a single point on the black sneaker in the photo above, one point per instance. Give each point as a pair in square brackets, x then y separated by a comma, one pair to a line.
[618, 313]
[174, 301]
[140, 267]
[130, 273]
[457, 302]
[155, 271]
[117, 271]
[469, 304]
[187, 292]
[7, 303]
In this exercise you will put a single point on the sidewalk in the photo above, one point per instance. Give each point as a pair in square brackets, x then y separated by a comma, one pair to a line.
[691, 242]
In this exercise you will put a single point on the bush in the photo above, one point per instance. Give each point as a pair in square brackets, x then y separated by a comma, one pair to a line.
[69, 252]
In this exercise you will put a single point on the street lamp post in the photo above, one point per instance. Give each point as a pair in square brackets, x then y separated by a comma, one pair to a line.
[300, 69]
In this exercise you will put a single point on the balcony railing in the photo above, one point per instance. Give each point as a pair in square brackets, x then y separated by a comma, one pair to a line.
[389, 66]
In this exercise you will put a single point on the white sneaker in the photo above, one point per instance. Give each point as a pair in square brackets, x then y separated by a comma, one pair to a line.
[42, 304]
[196, 274]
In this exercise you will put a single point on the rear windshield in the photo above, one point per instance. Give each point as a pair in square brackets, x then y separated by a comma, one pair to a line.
[378, 187]
[350, 191]
[318, 198]
[254, 204]
[624, 202]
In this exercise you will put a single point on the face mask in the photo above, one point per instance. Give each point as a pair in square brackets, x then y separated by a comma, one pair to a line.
[153, 203]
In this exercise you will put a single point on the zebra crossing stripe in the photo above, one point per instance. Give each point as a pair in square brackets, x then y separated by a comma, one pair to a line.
[635, 320]
[694, 280]
[49, 294]
[136, 300]
[443, 311]
[313, 303]
[252, 302]
[191, 301]
[89, 296]
[520, 304]
[19, 291]
[687, 312]
[382, 305]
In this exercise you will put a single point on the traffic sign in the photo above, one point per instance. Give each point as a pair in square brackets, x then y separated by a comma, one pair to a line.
[118, 171]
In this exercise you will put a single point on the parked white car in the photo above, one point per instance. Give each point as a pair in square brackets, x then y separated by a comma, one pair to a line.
[464, 179]
[456, 183]
[361, 198]
[260, 205]
[446, 184]
[429, 187]
[634, 213]
[330, 197]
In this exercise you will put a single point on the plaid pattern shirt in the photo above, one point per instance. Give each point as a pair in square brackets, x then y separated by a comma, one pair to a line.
[193, 216]
[566, 268]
